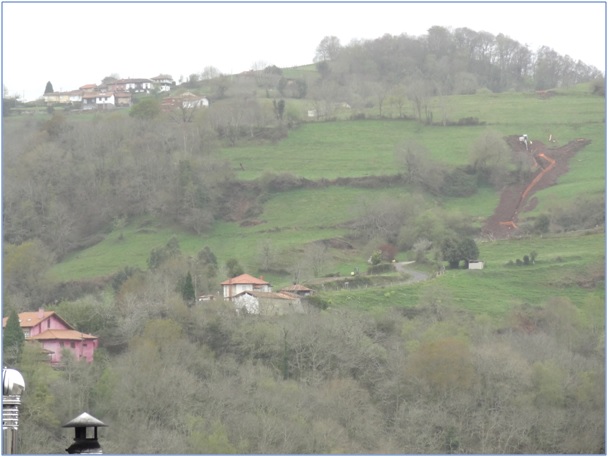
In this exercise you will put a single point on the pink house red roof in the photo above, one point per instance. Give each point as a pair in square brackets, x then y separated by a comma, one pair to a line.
[52, 333]
[30, 319]
[63, 335]
[244, 279]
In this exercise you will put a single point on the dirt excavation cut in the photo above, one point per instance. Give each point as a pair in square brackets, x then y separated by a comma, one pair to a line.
[516, 198]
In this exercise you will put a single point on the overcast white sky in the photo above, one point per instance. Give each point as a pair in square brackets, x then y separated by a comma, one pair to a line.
[77, 43]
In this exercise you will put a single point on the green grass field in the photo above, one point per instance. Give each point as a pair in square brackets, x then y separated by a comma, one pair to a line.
[562, 261]
[350, 148]
[329, 150]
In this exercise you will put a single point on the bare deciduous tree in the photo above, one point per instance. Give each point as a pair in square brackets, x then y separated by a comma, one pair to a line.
[327, 49]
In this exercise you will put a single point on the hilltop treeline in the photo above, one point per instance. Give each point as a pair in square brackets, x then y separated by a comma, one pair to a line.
[450, 62]
[426, 380]
[397, 76]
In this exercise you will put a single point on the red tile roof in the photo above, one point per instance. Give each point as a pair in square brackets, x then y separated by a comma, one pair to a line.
[244, 279]
[30, 319]
[63, 335]
[33, 318]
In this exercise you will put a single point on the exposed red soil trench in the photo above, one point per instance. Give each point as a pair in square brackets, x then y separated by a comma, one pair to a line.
[516, 198]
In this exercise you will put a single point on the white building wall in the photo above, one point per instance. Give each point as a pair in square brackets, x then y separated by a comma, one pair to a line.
[105, 100]
[247, 303]
[230, 290]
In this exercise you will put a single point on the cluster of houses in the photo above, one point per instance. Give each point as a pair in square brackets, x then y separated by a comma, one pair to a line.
[119, 93]
[248, 294]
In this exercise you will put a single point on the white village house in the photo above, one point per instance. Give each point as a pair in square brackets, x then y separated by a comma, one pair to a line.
[163, 83]
[234, 286]
[255, 296]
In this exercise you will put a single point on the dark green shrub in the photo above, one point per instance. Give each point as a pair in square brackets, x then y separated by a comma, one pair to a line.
[381, 268]
[317, 301]
[542, 224]
[282, 182]
[458, 183]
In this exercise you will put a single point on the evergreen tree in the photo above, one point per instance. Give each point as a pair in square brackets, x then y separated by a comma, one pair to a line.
[188, 290]
[12, 340]
[49, 88]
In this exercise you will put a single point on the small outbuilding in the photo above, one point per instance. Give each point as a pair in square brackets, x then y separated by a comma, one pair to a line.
[298, 289]
[475, 265]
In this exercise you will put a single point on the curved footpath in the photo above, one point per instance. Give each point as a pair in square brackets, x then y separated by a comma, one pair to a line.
[415, 275]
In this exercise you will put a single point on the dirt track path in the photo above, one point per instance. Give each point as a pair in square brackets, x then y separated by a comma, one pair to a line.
[415, 275]
[517, 198]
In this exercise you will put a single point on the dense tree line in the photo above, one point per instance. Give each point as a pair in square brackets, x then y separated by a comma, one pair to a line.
[446, 61]
[424, 380]
[71, 178]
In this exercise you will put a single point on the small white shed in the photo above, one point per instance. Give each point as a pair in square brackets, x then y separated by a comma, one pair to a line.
[475, 265]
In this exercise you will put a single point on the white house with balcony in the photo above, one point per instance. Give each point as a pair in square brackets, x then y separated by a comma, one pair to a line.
[242, 283]
[163, 83]
[137, 85]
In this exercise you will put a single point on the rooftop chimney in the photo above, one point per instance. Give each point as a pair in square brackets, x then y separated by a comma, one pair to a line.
[85, 441]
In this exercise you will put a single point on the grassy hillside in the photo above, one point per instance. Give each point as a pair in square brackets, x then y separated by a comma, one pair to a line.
[350, 148]
[563, 268]
[328, 150]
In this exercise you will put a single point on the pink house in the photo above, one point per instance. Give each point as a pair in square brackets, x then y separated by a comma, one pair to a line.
[54, 334]
[238, 284]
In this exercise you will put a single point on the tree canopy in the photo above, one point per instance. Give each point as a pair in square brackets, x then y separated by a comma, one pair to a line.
[146, 109]
[455, 250]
